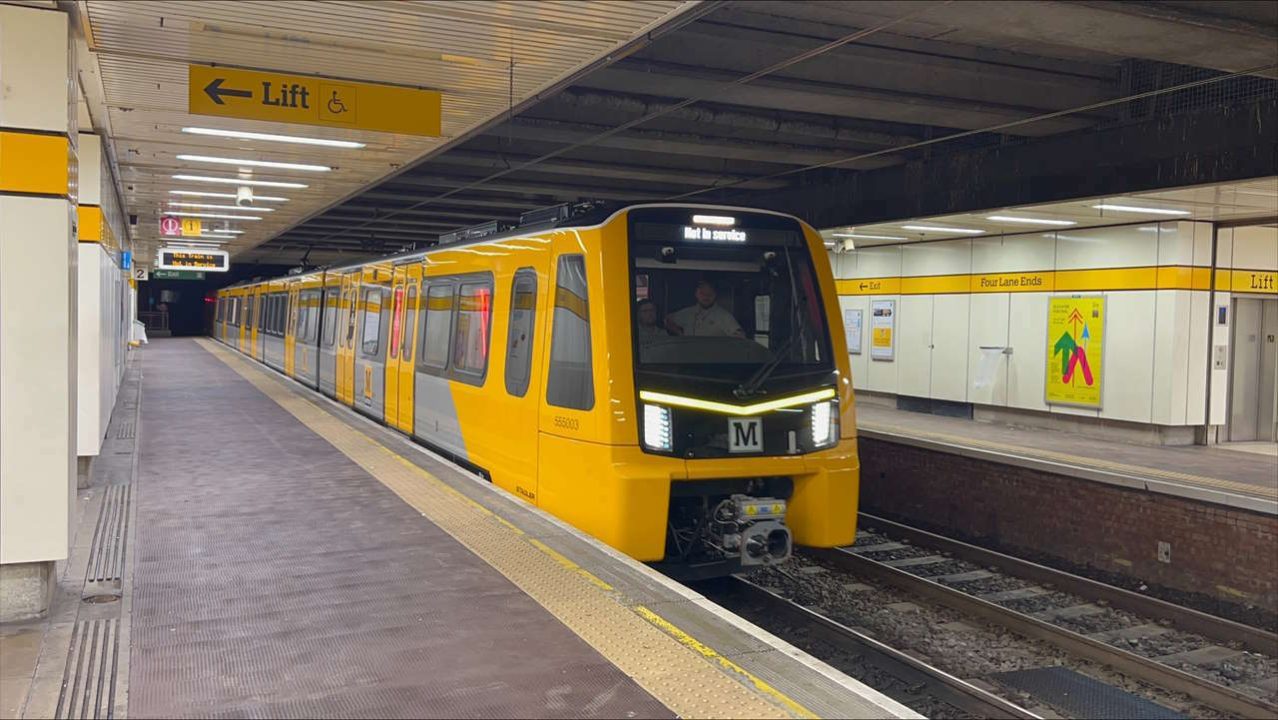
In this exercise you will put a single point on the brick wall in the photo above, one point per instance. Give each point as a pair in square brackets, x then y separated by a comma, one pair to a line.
[1219, 555]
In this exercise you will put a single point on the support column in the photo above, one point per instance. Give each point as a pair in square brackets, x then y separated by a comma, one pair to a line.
[38, 181]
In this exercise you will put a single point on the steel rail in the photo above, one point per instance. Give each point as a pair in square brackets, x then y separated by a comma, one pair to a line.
[940, 684]
[1188, 619]
[1209, 693]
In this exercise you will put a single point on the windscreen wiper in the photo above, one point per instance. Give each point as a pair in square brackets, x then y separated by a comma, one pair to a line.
[760, 376]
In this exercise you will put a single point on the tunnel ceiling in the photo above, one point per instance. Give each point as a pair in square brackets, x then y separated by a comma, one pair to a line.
[905, 74]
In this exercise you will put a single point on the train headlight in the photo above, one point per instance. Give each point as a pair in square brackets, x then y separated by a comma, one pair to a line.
[656, 427]
[825, 423]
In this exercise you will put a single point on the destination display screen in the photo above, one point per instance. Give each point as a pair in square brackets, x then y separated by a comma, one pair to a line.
[208, 260]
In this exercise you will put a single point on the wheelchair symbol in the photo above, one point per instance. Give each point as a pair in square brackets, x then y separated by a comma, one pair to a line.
[335, 105]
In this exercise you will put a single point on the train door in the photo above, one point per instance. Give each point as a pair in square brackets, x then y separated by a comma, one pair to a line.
[370, 353]
[327, 366]
[259, 337]
[399, 280]
[291, 328]
[346, 346]
[246, 328]
[520, 301]
[402, 394]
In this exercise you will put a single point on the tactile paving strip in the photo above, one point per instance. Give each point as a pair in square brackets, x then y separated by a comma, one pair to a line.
[690, 679]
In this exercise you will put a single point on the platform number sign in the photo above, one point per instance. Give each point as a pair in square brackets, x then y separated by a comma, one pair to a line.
[745, 435]
[140, 274]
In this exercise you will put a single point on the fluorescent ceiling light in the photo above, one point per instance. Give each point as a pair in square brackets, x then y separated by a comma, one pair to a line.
[1132, 208]
[239, 135]
[713, 220]
[215, 215]
[219, 207]
[860, 236]
[942, 229]
[238, 181]
[1029, 221]
[255, 163]
[228, 196]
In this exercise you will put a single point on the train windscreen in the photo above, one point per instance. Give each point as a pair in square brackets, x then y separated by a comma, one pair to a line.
[725, 297]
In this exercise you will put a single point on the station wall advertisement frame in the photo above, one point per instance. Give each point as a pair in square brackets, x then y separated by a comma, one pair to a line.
[1075, 362]
[882, 330]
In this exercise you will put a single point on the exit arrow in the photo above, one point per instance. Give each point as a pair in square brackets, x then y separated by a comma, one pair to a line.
[215, 91]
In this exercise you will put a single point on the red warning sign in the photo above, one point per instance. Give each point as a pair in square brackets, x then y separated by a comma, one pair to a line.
[170, 226]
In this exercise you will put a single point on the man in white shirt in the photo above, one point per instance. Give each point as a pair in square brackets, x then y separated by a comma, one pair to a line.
[705, 318]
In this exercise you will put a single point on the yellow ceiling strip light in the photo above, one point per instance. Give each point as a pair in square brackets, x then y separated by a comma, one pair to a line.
[742, 410]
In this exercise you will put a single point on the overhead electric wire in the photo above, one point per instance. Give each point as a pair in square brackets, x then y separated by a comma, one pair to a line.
[806, 55]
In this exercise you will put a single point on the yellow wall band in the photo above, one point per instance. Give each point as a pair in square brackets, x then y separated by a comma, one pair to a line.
[1165, 277]
[89, 225]
[34, 163]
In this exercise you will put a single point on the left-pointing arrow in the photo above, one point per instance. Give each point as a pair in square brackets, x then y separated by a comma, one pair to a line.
[216, 92]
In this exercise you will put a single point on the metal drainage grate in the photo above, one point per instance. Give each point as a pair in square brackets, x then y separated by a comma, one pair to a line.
[1082, 697]
[93, 661]
[127, 431]
[106, 553]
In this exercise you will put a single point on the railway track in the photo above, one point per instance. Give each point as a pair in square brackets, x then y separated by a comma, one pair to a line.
[915, 683]
[1226, 665]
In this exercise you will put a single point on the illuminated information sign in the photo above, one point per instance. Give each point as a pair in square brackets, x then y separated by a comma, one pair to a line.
[189, 259]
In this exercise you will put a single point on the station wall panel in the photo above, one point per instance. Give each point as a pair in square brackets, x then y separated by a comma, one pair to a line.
[1027, 336]
[914, 345]
[989, 327]
[1156, 355]
[950, 347]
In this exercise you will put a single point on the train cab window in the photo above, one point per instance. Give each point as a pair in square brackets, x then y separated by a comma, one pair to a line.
[519, 337]
[370, 331]
[330, 318]
[410, 322]
[571, 381]
[472, 330]
[433, 353]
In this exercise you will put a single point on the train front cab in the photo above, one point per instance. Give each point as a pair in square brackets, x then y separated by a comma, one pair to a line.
[594, 470]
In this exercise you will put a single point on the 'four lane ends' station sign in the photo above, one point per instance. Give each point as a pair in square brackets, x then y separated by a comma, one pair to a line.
[306, 100]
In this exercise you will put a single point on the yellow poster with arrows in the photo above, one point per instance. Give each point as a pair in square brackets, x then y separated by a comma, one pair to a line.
[1075, 350]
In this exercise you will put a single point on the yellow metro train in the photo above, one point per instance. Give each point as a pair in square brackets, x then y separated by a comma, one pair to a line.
[668, 378]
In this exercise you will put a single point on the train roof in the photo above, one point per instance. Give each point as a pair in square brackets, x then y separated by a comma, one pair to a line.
[586, 213]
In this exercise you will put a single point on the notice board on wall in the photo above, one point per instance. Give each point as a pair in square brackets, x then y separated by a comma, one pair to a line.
[1075, 350]
[852, 327]
[882, 327]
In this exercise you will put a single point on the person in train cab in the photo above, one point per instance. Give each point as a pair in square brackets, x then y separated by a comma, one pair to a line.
[704, 318]
[648, 329]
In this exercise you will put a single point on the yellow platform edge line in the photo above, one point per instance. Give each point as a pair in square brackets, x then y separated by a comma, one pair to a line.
[768, 696]
[683, 637]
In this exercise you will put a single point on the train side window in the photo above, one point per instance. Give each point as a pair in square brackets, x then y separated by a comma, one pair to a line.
[519, 338]
[571, 383]
[370, 332]
[330, 318]
[472, 331]
[252, 319]
[433, 353]
[409, 324]
[311, 303]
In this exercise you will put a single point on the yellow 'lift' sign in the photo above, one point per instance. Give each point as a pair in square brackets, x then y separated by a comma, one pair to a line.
[257, 95]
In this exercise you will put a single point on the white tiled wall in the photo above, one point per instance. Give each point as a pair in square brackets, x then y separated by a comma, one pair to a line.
[1156, 353]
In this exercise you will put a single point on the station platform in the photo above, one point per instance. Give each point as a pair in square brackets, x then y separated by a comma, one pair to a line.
[249, 548]
[1244, 478]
